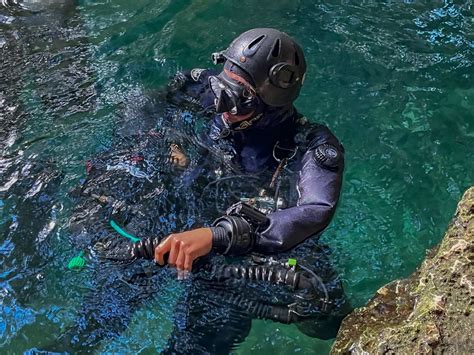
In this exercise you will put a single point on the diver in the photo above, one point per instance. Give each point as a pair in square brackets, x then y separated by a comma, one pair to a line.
[255, 120]
[263, 73]
[276, 177]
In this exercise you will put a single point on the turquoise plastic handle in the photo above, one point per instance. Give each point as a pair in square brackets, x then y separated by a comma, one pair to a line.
[120, 231]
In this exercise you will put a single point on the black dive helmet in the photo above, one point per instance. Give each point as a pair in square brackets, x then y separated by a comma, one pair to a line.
[272, 59]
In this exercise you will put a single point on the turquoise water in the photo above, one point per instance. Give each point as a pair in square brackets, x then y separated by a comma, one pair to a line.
[392, 79]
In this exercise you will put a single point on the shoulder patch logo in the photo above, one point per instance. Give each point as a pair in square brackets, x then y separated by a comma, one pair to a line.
[327, 156]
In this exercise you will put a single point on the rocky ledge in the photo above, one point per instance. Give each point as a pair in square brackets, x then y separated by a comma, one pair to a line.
[429, 312]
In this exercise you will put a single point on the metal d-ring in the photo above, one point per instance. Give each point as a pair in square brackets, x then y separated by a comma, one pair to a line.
[293, 152]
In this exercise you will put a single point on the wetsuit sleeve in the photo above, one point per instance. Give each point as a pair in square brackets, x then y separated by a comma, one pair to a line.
[319, 186]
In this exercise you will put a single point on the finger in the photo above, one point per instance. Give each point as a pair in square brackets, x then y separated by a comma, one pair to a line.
[181, 257]
[188, 261]
[174, 251]
[161, 250]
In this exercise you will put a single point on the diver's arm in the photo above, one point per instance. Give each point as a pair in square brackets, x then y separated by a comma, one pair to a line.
[319, 187]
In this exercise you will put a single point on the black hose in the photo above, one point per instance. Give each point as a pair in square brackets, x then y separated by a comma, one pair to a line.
[274, 273]
[145, 248]
[267, 273]
[261, 310]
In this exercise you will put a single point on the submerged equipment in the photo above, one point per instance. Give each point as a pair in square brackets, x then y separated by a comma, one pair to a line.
[123, 233]
[272, 59]
[310, 294]
[234, 233]
[77, 262]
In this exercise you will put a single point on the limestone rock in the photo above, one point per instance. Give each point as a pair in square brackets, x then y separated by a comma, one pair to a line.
[428, 313]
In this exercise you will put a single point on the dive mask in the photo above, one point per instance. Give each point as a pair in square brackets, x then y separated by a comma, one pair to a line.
[232, 96]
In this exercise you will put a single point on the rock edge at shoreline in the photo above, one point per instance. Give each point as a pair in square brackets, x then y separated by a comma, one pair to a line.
[430, 311]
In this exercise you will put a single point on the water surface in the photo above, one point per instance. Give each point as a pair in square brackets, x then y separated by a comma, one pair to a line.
[392, 79]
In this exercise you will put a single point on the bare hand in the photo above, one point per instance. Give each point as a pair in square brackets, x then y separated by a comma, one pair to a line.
[184, 248]
[177, 157]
